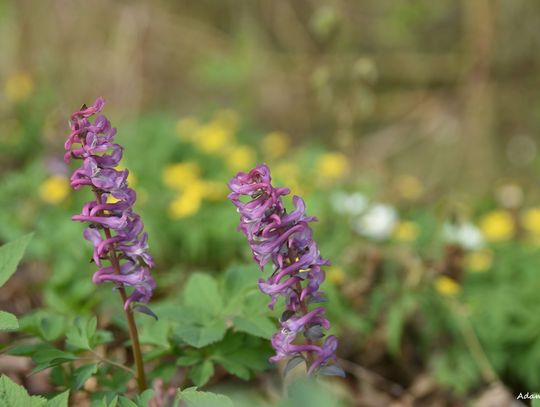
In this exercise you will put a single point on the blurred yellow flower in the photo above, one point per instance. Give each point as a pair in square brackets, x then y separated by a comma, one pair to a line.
[212, 138]
[409, 187]
[54, 190]
[497, 225]
[336, 275]
[332, 165]
[240, 158]
[188, 202]
[275, 144]
[186, 128]
[180, 175]
[447, 286]
[228, 119]
[215, 191]
[18, 87]
[480, 260]
[530, 220]
[406, 231]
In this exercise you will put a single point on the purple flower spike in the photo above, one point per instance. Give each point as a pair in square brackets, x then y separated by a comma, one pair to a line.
[286, 239]
[115, 230]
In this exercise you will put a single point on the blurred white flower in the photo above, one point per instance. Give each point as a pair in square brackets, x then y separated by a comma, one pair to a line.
[378, 222]
[352, 204]
[465, 234]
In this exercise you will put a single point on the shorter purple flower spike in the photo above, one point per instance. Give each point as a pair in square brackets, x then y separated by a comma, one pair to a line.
[286, 240]
[127, 248]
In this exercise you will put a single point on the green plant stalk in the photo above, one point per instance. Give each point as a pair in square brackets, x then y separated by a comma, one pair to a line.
[132, 326]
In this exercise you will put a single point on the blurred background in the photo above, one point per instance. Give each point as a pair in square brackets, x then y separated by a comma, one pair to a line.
[410, 128]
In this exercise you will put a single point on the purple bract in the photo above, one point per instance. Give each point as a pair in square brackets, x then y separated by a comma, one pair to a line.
[115, 230]
[286, 240]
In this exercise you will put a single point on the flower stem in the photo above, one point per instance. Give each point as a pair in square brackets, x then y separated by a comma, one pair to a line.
[132, 327]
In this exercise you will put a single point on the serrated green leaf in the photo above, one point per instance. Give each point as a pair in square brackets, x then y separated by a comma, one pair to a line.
[82, 374]
[256, 325]
[202, 335]
[61, 400]
[202, 292]
[10, 255]
[201, 373]
[13, 395]
[195, 398]
[8, 322]
[81, 333]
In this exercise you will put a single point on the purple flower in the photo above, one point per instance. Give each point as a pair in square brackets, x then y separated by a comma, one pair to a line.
[285, 239]
[115, 231]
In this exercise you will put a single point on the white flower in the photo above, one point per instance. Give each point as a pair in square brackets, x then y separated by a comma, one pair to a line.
[465, 234]
[378, 222]
[352, 204]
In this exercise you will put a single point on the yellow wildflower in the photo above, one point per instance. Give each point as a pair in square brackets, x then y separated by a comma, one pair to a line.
[54, 190]
[531, 221]
[215, 191]
[409, 187]
[186, 128]
[212, 138]
[275, 144]
[228, 119]
[336, 275]
[188, 202]
[447, 286]
[180, 175]
[406, 231]
[240, 158]
[18, 87]
[497, 225]
[332, 165]
[479, 260]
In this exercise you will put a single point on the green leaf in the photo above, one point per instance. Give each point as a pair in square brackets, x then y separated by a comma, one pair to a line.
[125, 402]
[50, 357]
[10, 256]
[394, 328]
[154, 332]
[195, 398]
[202, 335]
[61, 400]
[233, 367]
[80, 335]
[188, 360]
[256, 325]
[82, 374]
[51, 327]
[200, 374]
[13, 395]
[8, 322]
[202, 292]
[144, 398]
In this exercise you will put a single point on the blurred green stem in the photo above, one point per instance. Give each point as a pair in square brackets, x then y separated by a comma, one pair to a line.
[474, 345]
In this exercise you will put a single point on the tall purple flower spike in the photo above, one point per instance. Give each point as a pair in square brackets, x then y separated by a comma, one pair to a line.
[286, 240]
[115, 230]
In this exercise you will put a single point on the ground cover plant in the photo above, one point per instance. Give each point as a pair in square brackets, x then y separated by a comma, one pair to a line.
[177, 260]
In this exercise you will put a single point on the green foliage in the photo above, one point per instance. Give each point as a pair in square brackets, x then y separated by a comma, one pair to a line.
[195, 398]
[10, 256]
[13, 395]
